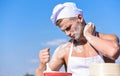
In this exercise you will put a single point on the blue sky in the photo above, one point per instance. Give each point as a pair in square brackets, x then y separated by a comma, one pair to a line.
[25, 28]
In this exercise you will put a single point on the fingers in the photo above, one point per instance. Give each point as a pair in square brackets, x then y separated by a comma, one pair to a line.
[44, 55]
[89, 29]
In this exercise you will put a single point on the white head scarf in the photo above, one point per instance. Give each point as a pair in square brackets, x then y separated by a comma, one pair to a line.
[66, 10]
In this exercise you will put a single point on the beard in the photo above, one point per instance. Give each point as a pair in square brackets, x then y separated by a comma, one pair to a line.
[78, 31]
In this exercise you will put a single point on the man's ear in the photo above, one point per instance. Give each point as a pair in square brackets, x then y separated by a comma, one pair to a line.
[80, 17]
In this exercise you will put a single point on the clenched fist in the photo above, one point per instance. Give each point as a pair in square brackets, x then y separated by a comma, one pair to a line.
[44, 56]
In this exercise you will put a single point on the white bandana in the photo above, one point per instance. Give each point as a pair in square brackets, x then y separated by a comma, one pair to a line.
[65, 10]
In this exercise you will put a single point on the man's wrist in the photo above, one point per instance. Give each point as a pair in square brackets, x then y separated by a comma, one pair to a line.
[42, 67]
[89, 38]
[40, 70]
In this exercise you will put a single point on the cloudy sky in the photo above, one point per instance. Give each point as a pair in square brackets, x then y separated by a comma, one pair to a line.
[25, 28]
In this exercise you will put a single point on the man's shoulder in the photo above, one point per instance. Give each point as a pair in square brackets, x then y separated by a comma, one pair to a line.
[108, 36]
[63, 47]
[61, 50]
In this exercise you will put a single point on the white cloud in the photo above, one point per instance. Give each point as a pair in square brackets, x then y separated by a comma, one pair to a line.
[54, 42]
[34, 61]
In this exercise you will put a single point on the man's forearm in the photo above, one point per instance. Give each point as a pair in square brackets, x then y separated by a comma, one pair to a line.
[105, 46]
[40, 70]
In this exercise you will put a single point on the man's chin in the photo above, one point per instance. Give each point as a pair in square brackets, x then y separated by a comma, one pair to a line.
[76, 39]
[79, 38]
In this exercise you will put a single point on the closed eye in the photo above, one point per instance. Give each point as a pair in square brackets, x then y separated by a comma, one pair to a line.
[68, 28]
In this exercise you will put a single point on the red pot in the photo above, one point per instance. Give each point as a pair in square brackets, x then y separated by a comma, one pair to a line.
[56, 73]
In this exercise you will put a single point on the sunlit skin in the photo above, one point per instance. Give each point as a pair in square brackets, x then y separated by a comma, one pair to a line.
[74, 29]
[85, 40]
[78, 31]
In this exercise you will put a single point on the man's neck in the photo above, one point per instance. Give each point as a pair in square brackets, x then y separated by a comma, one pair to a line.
[81, 41]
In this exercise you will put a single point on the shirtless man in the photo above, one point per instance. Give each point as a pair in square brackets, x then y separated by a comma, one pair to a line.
[86, 46]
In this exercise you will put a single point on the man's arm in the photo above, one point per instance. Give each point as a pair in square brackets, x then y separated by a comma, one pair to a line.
[57, 59]
[44, 57]
[40, 70]
[106, 44]
[54, 64]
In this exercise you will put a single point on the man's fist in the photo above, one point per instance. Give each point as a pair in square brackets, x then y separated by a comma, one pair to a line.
[44, 56]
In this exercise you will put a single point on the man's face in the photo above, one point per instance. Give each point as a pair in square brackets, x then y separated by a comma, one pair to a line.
[72, 28]
[78, 30]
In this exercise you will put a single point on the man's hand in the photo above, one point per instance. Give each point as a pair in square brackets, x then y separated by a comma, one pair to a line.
[89, 30]
[44, 56]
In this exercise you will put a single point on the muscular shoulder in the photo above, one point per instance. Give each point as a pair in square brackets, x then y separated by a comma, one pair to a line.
[57, 59]
[108, 36]
[61, 50]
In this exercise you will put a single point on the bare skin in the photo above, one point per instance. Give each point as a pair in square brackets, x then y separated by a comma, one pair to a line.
[107, 44]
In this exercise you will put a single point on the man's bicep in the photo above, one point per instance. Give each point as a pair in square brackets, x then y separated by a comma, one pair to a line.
[55, 63]
[57, 59]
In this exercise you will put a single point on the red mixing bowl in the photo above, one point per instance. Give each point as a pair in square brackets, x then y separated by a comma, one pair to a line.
[56, 73]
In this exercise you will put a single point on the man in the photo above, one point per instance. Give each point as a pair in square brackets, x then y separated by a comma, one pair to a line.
[86, 46]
